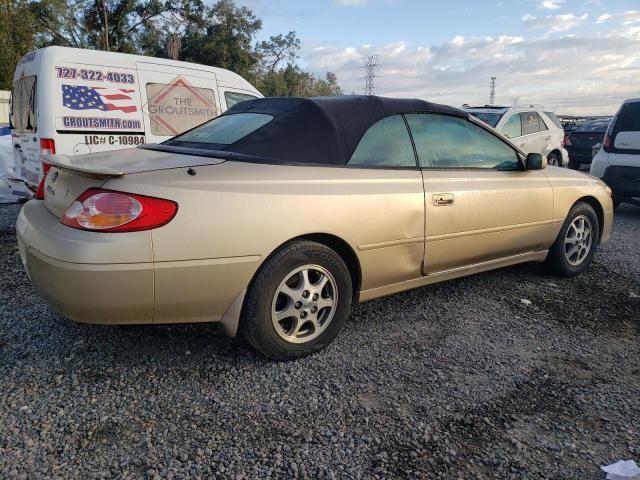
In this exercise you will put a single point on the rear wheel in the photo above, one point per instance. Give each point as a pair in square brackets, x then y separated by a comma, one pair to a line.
[576, 244]
[553, 159]
[298, 302]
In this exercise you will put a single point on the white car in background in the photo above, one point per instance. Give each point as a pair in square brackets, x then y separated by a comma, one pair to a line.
[618, 161]
[531, 128]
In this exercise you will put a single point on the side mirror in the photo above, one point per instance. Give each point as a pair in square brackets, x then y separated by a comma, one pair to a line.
[535, 161]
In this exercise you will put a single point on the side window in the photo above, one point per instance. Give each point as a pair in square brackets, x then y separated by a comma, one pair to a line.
[512, 127]
[542, 123]
[178, 107]
[385, 144]
[234, 97]
[530, 123]
[451, 142]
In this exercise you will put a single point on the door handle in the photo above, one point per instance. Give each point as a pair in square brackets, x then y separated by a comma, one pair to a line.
[440, 199]
[548, 138]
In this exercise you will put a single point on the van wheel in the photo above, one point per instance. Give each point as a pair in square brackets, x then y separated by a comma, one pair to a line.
[298, 302]
[576, 244]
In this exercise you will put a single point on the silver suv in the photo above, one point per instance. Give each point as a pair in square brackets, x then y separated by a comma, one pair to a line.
[531, 128]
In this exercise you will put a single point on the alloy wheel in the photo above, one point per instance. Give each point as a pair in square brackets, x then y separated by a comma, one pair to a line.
[578, 240]
[304, 304]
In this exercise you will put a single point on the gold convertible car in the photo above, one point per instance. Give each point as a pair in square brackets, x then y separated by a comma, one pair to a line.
[275, 217]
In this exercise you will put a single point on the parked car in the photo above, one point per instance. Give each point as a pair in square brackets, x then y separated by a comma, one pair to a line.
[618, 161]
[532, 129]
[580, 142]
[72, 101]
[276, 216]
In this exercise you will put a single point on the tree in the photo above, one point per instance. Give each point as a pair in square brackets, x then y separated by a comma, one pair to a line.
[277, 49]
[17, 37]
[225, 41]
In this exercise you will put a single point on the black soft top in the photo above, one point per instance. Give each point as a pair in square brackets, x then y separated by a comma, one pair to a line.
[318, 130]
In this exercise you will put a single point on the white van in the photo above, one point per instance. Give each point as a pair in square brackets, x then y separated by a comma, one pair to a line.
[72, 101]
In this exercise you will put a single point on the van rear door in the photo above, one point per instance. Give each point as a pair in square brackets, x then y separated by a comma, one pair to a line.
[175, 99]
[24, 124]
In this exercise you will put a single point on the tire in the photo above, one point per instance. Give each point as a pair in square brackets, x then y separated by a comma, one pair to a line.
[281, 287]
[573, 165]
[562, 259]
[554, 160]
[616, 204]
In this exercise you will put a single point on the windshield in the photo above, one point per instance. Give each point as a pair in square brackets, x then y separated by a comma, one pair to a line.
[234, 97]
[222, 131]
[489, 118]
[23, 112]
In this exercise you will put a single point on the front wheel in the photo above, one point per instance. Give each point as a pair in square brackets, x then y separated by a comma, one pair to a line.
[298, 302]
[576, 244]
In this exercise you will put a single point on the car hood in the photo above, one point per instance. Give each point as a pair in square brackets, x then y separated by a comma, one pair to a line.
[116, 163]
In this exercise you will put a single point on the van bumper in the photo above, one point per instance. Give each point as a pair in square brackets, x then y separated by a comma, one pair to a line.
[624, 181]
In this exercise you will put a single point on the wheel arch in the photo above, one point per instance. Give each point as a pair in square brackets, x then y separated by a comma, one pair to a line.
[597, 206]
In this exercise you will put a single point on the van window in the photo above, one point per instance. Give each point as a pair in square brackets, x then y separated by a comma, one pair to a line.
[178, 107]
[23, 113]
[234, 97]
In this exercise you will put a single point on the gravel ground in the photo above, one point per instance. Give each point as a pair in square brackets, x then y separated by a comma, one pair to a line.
[457, 380]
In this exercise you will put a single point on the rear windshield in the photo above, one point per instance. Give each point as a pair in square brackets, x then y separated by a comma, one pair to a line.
[554, 119]
[23, 113]
[594, 127]
[489, 118]
[221, 131]
[629, 118]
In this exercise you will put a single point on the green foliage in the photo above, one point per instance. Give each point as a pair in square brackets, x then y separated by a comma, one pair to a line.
[16, 37]
[221, 35]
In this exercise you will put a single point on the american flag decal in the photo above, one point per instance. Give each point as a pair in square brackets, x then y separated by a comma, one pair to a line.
[77, 97]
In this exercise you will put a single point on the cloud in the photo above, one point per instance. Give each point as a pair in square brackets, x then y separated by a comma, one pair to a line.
[570, 74]
[603, 18]
[351, 3]
[629, 17]
[550, 4]
[554, 23]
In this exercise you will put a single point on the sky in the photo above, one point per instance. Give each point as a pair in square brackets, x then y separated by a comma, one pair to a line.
[573, 56]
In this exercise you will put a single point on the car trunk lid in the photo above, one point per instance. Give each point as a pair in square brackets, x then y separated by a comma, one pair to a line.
[71, 176]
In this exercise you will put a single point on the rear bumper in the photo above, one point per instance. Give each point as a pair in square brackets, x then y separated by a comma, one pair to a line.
[82, 274]
[111, 278]
[623, 181]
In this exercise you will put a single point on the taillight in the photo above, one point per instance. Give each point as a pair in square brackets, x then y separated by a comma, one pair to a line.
[109, 211]
[566, 141]
[47, 146]
[40, 191]
[607, 140]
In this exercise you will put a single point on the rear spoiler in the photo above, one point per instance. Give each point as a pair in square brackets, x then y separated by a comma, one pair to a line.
[64, 162]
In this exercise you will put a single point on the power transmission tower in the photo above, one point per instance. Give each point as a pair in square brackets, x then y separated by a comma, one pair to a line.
[370, 65]
[492, 95]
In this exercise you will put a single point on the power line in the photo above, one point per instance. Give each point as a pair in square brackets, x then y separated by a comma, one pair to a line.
[492, 95]
[370, 65]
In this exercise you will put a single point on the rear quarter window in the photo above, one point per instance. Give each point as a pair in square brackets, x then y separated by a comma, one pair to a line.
[629, 118]
[552, 116]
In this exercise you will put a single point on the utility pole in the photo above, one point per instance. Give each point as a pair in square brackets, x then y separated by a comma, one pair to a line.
[492, 95]
[370, 65]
